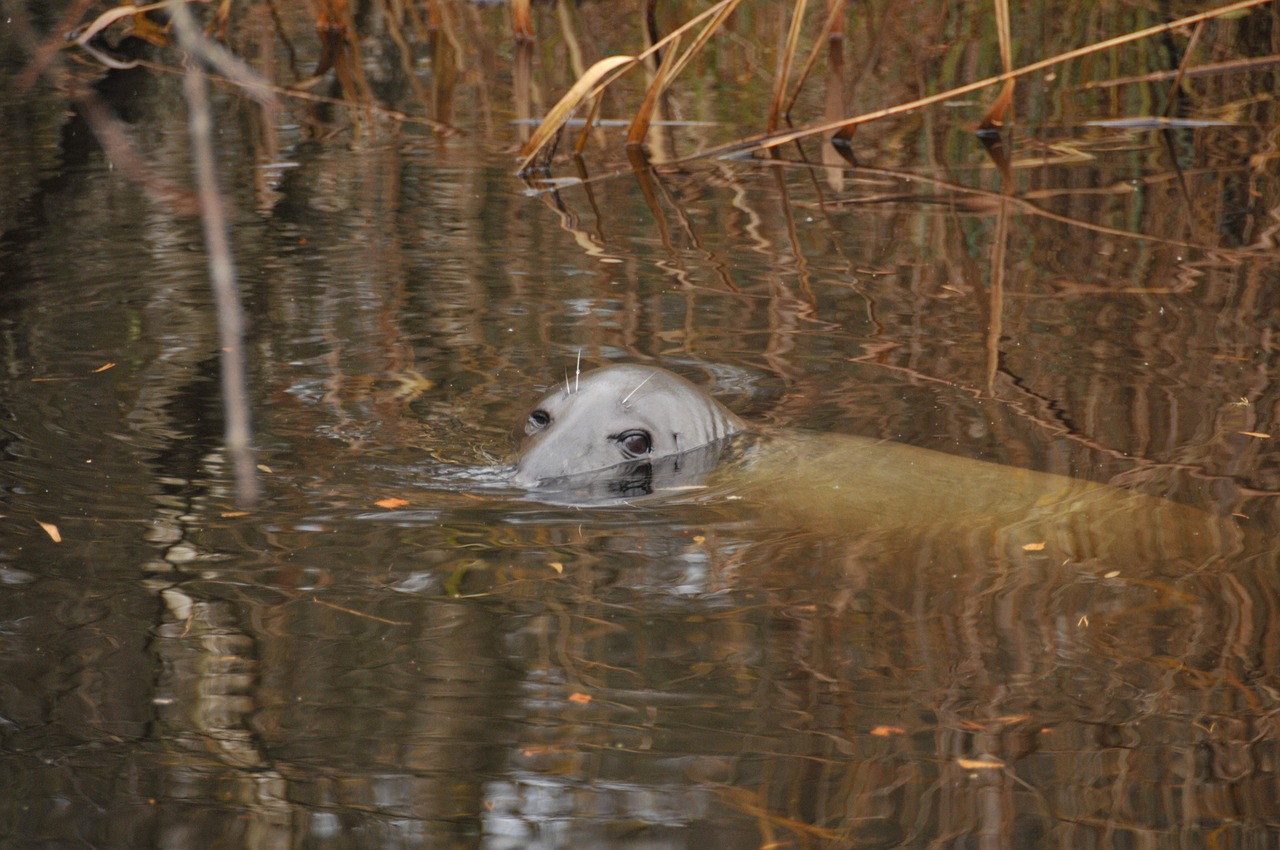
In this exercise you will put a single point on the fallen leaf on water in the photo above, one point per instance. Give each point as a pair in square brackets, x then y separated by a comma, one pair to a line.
[580, 699]
[391, 503]
[104, 367]
[886, 731]
[232, 514]
[529, 752]
[980, 764]
[51, 530]
[1258, 434]
[557, 566]
[1033, 547]
[264, 468]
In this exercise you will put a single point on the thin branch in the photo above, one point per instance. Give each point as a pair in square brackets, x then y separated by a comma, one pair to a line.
[222, 271]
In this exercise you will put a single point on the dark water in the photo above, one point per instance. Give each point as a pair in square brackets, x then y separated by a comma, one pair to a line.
[463, 666]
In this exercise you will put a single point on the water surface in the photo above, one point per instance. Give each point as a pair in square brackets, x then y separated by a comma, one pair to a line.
[392, 648]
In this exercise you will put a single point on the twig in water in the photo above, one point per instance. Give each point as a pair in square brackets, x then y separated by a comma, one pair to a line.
[222, 271]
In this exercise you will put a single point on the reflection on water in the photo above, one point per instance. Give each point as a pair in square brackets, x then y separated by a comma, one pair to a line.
[396, 649]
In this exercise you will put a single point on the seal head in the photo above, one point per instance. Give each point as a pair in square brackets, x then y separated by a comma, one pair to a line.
[624, 418]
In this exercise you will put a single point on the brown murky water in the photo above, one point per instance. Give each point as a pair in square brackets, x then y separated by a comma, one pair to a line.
[393, 649]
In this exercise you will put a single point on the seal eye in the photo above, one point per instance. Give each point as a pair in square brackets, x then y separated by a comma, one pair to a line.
[537, 420]
[635, 443]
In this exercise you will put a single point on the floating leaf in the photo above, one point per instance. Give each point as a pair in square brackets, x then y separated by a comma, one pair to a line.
[580, 698]
[1033, 547]
[51, 530]
[557, 566]
[886, 731]
[104, 367]
[984, 763]
[391, 503]
[1260, 435]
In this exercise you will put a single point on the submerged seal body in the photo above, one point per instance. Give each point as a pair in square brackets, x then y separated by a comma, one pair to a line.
[623, 417]
[632, 430]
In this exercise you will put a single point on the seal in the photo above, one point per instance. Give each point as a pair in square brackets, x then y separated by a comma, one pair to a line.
[633, 430]
[622, 418]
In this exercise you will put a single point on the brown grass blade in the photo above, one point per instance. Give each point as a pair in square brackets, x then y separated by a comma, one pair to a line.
[677, 62]
[1176, 88]
[105, 20]
[785, 60]
[833, 27]
[717, 14]
[580, 143]
[1208, 69]
[604, 72]
[639, 127]
[586, 86]
[999, 111]
[522, 20]
[765, 141]
[1004, 34]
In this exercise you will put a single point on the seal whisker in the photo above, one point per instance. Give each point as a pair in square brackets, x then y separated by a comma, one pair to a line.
[577, 371]
[637, 389]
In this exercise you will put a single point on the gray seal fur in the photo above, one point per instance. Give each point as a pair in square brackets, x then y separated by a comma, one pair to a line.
[614, 417]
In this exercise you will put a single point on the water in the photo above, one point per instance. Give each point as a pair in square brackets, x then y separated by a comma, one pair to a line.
[393, 649]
